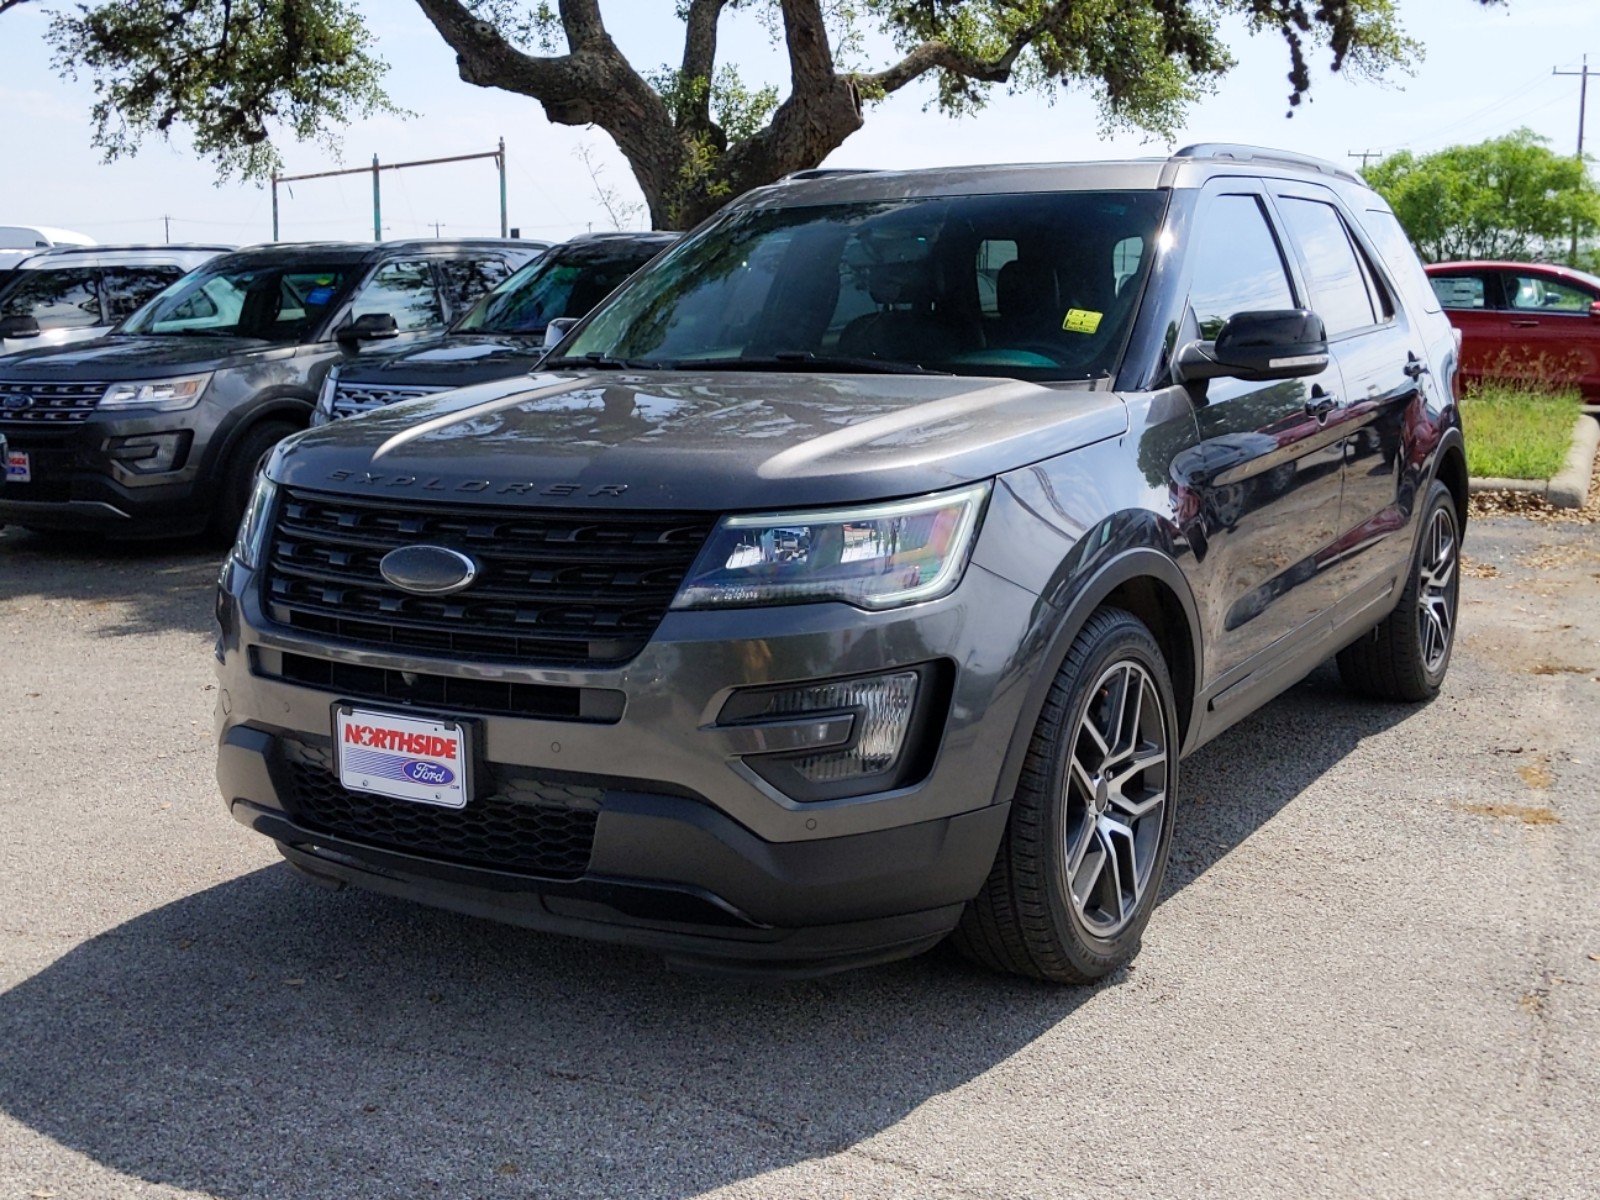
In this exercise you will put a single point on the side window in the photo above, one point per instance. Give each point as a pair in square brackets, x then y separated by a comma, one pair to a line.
[1546, 295]
[993, 255]
[1459, 291]
[67, 299]
[1338, 285]
[1238, 266]
[126, 289]
[405, 291]
[465, 279]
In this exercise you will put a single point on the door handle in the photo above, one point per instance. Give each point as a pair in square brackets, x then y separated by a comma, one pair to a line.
[1524, 324]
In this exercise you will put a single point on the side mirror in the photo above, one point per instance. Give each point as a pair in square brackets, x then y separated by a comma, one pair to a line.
[1594, 309]
[18, 327]
[370, 327]
[556, 330]
[1285, 343]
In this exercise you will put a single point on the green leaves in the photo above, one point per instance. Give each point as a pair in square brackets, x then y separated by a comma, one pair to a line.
[231, 72]
[1509, 197]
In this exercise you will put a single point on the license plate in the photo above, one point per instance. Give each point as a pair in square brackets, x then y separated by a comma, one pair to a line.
[402, 757]
[19, 467]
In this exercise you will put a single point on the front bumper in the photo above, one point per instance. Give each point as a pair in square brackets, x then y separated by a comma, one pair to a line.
[692, 853]
[80, 482]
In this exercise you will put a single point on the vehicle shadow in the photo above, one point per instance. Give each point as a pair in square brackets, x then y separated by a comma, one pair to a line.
[135, 586]
[264, 1038]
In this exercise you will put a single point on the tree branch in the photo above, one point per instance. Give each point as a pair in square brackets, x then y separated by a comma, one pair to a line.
[810, 56]
[938, 55]
[699, 61]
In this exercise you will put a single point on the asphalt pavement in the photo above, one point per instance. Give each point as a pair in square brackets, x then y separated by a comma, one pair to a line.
[1375, 971]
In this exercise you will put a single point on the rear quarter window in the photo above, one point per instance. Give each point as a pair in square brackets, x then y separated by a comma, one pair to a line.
[1405, 268]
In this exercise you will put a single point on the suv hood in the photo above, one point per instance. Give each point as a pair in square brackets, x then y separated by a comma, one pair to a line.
[456, 360]
[116, 358]
[699, 441]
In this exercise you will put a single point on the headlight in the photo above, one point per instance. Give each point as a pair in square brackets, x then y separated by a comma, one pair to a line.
[159, 395]
[257, 519]
[324, 410]
[877, 556]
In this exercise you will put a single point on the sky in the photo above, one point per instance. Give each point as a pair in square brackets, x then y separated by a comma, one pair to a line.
[1485, 72]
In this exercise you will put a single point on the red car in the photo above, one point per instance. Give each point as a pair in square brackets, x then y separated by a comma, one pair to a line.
[1523, 318]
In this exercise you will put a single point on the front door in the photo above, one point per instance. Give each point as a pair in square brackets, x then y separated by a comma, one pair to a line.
[1556, 335]
[1264, 478]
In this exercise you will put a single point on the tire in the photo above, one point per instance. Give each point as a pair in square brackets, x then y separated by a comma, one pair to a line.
[1045, 911]
[1405, 658]
[238, 476]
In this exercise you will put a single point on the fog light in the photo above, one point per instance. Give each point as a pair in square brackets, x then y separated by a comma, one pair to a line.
[150, 454]
[876, 718]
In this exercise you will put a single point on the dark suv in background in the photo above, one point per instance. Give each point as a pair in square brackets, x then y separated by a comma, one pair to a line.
[156, 429]
[860, 571]
[504, 334]
[74, 293]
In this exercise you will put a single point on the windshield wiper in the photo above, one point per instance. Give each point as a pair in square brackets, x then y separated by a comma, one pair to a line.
[805, 360]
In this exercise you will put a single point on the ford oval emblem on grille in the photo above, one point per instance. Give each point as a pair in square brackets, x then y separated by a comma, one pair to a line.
[16, 401]
[428, 570]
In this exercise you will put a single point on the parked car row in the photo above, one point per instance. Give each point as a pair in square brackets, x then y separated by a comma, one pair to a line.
[155, 427]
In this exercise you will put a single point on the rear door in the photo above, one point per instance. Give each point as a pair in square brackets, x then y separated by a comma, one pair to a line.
[1265, 475]
[1553, 331]
[1382, 360]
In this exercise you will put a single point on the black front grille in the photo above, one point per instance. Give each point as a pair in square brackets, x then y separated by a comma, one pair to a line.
[352, 399]
[48, 403]
[579, 588]
[527, 826]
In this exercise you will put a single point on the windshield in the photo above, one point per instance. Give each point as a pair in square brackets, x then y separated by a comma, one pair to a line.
[567, 282]
[1034, 286]
[273, 303]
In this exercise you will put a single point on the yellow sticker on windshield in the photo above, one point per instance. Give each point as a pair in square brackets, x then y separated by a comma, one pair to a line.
[1082, 320]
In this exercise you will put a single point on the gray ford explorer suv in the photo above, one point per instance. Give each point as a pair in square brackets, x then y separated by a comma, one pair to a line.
[859, 573]
[157, 428]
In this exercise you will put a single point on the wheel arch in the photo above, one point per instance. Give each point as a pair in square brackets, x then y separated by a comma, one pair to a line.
[290, 407]
[1452, 472]
[1151, 586]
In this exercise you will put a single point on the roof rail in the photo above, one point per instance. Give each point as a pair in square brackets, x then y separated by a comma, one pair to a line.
[825, 172]
[1289, 158]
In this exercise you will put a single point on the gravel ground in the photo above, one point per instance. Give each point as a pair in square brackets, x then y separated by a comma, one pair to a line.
[1376, 970]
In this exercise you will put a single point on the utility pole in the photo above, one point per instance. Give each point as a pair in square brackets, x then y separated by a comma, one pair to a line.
[437, 225]
[377, 204]
[1583, 104]
[1363, 155]
[167, 221]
